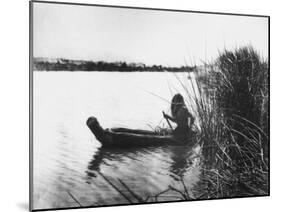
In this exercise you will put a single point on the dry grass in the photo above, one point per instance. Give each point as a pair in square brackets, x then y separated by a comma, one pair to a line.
[233, 120]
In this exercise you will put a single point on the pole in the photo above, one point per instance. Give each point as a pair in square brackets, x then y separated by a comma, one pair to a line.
[167, 121]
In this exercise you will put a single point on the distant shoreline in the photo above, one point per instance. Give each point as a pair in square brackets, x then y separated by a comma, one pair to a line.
[47, 64]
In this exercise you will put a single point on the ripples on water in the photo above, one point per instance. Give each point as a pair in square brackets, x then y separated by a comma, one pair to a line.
[68, 158]
[146, 171]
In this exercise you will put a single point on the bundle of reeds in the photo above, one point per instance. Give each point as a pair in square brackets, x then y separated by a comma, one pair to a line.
[233, 118]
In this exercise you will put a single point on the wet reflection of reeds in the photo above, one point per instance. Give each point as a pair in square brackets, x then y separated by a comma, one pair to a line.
[147, 172]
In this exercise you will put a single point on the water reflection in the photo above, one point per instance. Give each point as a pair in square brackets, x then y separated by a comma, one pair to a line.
[183, 159]
[115, 155]
[172, 162]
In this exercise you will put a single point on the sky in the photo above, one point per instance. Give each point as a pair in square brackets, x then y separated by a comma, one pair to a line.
[136, 35]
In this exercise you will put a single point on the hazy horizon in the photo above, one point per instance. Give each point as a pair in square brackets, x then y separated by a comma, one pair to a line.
[141, 36]
[96, 61]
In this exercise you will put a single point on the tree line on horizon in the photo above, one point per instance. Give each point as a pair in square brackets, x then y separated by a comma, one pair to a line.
[79, 65]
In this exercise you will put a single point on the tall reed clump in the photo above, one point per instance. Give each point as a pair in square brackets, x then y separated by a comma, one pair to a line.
[234, 124]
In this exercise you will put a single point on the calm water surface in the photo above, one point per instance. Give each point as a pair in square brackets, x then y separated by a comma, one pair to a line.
[67, 157]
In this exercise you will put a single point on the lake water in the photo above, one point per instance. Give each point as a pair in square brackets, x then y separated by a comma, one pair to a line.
[67, 157]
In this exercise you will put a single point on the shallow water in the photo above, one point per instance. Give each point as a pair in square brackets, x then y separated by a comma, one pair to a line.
[68, 158]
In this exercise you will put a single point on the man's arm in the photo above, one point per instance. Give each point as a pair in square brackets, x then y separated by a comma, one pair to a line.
[166, 116]
[192, 119]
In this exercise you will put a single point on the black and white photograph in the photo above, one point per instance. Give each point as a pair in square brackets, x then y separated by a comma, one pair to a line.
[139, 105]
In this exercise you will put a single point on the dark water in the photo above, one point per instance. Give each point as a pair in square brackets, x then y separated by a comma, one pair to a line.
[68, 159]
